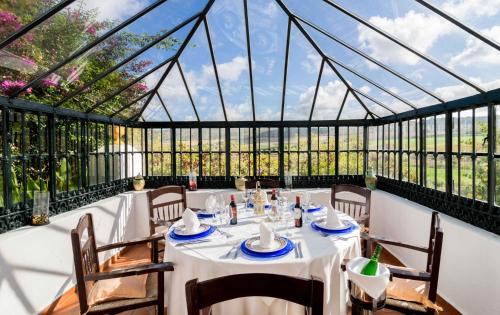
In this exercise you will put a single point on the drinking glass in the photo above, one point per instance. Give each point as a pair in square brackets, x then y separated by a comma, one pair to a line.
[285, 214]
[246, 196]
[210, 204]
[306, 201]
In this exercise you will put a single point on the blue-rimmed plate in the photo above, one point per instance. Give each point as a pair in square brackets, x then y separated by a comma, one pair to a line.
[267, 207]
[312, 208]
[319, 225]
[204, 214]
[251, 248]
[178, 235]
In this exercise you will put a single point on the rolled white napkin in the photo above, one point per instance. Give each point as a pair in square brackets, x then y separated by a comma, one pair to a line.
[266, 235]
[190, 221]
[332, 219]
[374, 286]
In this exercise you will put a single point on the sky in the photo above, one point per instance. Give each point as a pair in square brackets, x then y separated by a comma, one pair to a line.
[407, 20]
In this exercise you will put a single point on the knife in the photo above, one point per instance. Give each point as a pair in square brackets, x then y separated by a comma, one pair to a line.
[300, 250]
[191, 242]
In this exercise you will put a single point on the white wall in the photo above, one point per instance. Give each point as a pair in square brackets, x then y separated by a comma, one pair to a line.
[470, 267]
[36, 263]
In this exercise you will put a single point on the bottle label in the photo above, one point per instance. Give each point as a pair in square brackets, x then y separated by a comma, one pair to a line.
[297, 213]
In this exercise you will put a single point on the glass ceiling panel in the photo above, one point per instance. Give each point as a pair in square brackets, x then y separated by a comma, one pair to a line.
[375, 108]
[371, 70]
[227, 30]
[331, 92]
[59, 36]
[372, 91]
[128, 95]
[155, 111]
[380, 48]
[302, 76]
[268, 27]
[24, 12]
[47, 52]
[132, 110]
[135, 68]
[198, 69]
[435, 36]
[352, 109]
[175, 97]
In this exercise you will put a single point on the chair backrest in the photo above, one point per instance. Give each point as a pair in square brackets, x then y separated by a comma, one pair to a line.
[171, 205]
[264, 183]
[85, 257]
[306, 292]
[434, 254]
[355, 208]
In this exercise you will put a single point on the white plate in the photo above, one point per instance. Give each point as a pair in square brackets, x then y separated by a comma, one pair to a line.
[322, 224]
[181, 230]
[253, 244]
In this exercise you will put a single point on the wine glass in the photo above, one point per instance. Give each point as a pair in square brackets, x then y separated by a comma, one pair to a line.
[246, 196]
[285, 214]
[210, 206]
[220, 205]
[306, 200]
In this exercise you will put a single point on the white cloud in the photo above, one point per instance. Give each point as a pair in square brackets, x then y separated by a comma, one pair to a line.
[328, 101]
[477, 52]
[241, 111]
[418, 30]
[365, 89]
[311, 63]
[232, 70]
[468, 9]
[270, 10]
[115, 9]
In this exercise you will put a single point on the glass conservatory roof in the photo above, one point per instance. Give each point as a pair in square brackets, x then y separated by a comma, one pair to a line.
[248, 60]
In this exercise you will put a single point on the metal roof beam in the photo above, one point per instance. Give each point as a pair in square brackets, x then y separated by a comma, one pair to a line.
[317, 88]
[343, 103]
[249, 54]
[187, 90]
[164, 107]
[126, 60]
[400, 43]
[28, 27]
[463, 26]
[371, 59]
[87, 47]
[181, 49]
[285, 70]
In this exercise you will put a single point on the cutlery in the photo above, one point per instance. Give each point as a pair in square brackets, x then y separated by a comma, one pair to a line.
[230, 250]
[226, 234]
[191, 242]
[236, 252]
[300, 250]
[296, 251]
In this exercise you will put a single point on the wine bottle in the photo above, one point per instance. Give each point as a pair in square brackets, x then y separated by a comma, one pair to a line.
[274, 202]
[370, 269]
[297, 212]
[234, 211]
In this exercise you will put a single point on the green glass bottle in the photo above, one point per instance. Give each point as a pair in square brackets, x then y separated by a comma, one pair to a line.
[370, 269]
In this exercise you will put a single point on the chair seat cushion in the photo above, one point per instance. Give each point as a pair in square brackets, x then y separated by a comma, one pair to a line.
[151, 297]
[409, 294]
[132, 287]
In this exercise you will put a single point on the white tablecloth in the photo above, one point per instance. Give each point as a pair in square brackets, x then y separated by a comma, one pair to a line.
[322, 259]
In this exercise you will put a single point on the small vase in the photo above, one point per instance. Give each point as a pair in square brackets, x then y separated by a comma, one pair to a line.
[370, 180]
[139, 183]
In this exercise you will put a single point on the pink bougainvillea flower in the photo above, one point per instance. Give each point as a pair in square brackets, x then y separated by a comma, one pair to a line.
[51, 81]
[92, 30]
[74, 74]
[8, 87]
[8, 18]
[143, 87]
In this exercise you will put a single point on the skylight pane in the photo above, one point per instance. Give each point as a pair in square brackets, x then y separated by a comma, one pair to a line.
[138, 66]
[128, 95]
[16, 17]
[132, 110]
[227, 29]
[352, 109]
[174, 95]
[376, 108]
[268, 27]
[331, 92]
[155, 111]
[302, 76]
[382, 49]
[199, 72]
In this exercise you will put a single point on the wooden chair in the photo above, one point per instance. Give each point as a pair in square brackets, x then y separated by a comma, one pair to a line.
[358, 210]
[264, 183]
[165, 213]
[202, 295]
[430, 276]
[85, 255]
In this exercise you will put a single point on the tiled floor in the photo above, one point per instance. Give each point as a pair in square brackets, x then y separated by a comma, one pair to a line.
[68, 303]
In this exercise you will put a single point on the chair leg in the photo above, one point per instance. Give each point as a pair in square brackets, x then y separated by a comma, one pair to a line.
[160, 293]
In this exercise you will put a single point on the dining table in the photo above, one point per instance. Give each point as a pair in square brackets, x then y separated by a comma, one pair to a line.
[315, 254]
